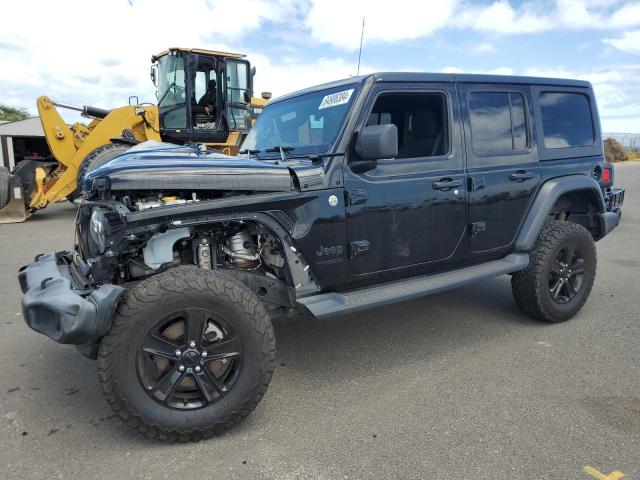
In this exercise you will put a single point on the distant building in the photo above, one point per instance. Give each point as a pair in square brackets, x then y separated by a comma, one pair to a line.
[22, 140]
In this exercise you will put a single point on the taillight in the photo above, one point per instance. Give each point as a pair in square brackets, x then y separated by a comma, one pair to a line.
[607, 175]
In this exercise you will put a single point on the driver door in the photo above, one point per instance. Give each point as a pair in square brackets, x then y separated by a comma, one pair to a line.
[207, 128]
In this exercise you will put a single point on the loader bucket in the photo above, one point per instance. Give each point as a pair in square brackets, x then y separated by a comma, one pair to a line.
[15, 211]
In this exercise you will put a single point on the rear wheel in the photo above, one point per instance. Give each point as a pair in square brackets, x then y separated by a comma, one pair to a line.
[5, 177]
[560, 275]
[95, 159]
[189, 355]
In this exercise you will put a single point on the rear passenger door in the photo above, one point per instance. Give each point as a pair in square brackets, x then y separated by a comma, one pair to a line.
[502, 161]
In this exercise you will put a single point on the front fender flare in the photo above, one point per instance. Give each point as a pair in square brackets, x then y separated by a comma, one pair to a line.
[547, 196]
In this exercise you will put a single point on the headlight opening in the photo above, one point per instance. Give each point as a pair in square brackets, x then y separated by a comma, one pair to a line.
[97, 230]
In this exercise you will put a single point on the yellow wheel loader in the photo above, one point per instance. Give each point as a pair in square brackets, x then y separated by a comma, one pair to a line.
[203, 97]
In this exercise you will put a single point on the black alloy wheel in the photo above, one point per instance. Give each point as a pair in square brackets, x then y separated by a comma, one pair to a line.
[561, 271]
[566, 275]
[189, 355]
[190, 359]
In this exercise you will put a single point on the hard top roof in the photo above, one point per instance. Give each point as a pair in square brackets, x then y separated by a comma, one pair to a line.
[441, 78]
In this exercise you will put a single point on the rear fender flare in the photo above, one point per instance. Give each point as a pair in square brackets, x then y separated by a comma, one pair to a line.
[547, 196]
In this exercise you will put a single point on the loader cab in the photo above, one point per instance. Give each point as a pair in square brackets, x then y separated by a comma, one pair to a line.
[203, 96]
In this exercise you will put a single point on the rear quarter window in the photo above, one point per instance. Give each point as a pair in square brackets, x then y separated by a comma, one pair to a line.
[566, 120]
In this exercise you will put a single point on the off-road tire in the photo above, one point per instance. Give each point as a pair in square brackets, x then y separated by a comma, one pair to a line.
[5, 177]
[140, 308]
[530, 287]
[96, 158]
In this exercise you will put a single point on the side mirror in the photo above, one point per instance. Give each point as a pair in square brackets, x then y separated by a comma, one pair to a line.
[378, 141]
[154, 75]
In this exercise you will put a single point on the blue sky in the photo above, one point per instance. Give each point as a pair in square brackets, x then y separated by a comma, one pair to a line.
[295, 44]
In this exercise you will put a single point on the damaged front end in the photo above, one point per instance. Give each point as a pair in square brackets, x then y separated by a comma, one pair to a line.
[159, 209]
[59, 303]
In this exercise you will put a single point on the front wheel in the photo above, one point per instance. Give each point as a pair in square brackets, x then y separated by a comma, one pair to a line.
[189, 355]
[560, 275]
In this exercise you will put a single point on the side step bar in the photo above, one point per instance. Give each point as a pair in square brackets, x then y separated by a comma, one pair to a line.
[328, 304]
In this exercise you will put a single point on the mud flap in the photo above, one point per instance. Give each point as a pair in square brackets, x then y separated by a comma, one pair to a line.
[16, 209]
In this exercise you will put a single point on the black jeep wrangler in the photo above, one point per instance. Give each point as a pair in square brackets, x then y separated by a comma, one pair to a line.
[347, 196]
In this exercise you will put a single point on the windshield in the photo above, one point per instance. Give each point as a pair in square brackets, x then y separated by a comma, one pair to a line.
[308, 123]
[171, 90]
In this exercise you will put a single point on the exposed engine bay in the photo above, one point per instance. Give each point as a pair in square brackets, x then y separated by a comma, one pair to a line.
[153, 210]
[146, 200]
[232, 245]
[128, 239]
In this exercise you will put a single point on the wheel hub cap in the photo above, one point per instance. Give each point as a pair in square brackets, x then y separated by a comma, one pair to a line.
[191, 358]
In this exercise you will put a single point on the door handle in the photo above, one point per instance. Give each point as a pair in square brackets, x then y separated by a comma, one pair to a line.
[446, 184]
[520, 176]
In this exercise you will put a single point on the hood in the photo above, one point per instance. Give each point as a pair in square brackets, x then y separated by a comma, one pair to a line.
[161, 166]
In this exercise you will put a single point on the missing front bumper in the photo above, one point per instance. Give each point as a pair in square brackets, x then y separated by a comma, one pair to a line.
[54, 304]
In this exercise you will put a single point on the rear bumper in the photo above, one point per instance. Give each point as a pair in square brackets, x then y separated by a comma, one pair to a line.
[614, 199]
[610, 219]
[55, 304]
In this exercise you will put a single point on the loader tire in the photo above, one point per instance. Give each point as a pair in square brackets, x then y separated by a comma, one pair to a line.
[95, 159]
[5, 177]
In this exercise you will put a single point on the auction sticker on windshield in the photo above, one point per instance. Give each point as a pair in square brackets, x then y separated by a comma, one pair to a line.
[335, 99]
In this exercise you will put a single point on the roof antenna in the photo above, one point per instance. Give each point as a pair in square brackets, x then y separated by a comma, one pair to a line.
[360, 52]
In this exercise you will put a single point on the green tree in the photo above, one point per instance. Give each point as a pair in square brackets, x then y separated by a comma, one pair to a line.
[11, 114]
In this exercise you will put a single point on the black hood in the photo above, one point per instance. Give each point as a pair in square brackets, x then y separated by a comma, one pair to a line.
[161, 166]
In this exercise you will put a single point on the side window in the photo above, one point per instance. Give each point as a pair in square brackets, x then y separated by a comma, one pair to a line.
[422, 122]
[566, 120]
[201, 85]
[237, 77]
[379, 118]
[498, 123]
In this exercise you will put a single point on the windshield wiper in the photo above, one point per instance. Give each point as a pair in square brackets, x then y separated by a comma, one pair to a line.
[172, 84]
[281, 149]
[249, 152]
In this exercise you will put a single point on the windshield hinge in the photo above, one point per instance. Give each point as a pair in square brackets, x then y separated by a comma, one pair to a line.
[357, 197]
[359, 247]
[476, 228]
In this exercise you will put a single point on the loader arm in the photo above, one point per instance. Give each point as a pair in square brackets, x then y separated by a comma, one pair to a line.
[71, 145]
[57, 133]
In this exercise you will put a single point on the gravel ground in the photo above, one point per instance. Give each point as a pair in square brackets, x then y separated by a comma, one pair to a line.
[457, 385]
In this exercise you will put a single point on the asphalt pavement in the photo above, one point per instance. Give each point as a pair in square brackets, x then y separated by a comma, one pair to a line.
[458, 385]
